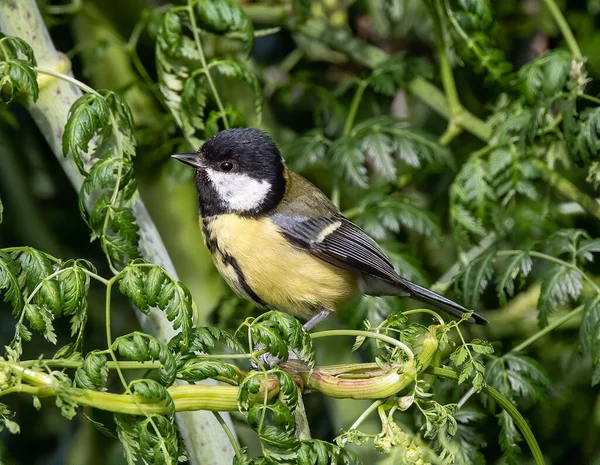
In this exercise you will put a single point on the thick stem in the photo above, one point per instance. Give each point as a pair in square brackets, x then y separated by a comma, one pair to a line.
[22, 18]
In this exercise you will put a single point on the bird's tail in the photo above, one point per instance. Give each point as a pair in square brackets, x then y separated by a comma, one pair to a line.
[429, 297]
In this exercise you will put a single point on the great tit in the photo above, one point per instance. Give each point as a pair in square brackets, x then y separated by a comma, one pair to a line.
[279, 241]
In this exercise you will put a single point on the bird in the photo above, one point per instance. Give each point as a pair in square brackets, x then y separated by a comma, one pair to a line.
[279, 241]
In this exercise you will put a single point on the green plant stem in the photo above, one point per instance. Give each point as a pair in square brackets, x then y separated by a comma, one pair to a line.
[358, 333]
[551, 327]
[564, 29]
[213, 88]
[445, 68]
[424, 310]
[363, 416]
[267, 14]
[360, 90]
[22, 18]
[60, 363]
[567, 188]
[230, 435]
[558, 261]
[508, 406]
[371, 57]
[69, 79]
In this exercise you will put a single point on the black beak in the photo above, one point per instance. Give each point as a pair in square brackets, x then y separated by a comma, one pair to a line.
[189, 159]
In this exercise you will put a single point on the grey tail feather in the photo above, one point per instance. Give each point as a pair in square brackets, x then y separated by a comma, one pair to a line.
[429, 297]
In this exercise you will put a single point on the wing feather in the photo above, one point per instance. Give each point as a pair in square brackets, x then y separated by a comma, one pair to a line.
[346, 246]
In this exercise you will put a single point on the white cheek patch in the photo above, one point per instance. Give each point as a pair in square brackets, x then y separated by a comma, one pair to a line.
[239, 191]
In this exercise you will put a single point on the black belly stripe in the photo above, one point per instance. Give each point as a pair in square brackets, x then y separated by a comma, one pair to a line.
[229, 260]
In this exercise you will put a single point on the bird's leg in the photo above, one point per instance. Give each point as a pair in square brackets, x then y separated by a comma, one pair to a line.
[270, 360]
[315, 320]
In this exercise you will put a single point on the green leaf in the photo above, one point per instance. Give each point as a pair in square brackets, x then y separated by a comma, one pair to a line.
[509, 439]
[93, 373]
[89, 116]
[18, 75]
[546, 76]
[128, 436]
[158, 442]
[12, 47]
[559, 285]
[585, 134]
[176, 301]
[40, 318]
[131, 284]
[346, 155]
[49, 296]
[205, 340]
[396, 72]
[102, 181]
[234, 69]
[294, 334]
[474, 278]
[477, 191]
[318, 452]
[459, 356]
[410, 145]
[120, 241]
[154, 392]
[100, 427]
[141, 347]
[5, 422]
[481, 347]
[35, 266]
[589, 335]
[225, 17]
[74, 284]
[515, 266]
[517, 376]
[378, 150]
[194, 369]
[587, 248]
[307, 150]
[193, 101]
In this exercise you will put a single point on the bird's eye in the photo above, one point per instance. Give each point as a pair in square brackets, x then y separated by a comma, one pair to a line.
[226, 166]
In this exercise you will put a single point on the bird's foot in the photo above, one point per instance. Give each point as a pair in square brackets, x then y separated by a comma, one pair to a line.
[268, 360]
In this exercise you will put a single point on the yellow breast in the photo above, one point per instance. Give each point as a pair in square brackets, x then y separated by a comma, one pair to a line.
[257, 262]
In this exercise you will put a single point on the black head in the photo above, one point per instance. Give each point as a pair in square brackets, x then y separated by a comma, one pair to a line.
[238, 171]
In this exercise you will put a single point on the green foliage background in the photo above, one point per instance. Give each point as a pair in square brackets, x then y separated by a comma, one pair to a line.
[463, 135]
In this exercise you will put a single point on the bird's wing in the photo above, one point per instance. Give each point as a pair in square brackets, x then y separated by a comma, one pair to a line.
[309, 220]
[336, 240]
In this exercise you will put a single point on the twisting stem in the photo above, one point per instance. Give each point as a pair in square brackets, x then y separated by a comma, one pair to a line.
[356, 332]
[565, 30]
[508, 406]
[213, 88]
